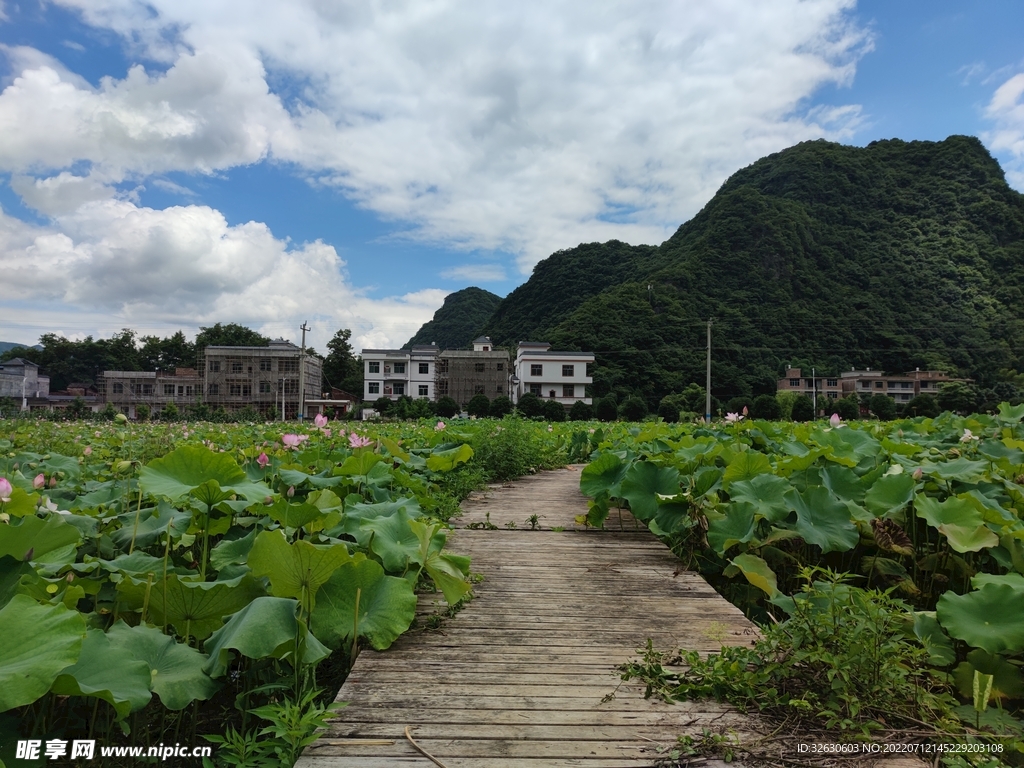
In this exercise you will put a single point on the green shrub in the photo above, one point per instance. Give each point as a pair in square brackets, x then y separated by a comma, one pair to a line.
[446, 407]
[606, 409]
[803, 409]
[883, 406]
[554, 410]
[508, 452]
[581, 411]
[766, 407]
[633, 408]
[848, 408]
[478, 406]
[530, 405]
[668, 411]
[922, 405]
[501, 406]
[142, 412]
[737, 404]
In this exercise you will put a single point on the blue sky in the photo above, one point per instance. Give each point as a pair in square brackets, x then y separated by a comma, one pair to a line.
[176, 163]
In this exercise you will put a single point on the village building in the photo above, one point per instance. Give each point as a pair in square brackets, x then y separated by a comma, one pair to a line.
[901, 387]
[552, 374]
[127, 390]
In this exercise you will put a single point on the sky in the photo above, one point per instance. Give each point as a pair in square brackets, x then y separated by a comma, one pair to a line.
[171, 164]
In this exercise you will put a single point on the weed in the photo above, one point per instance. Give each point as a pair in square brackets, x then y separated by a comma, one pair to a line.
[534, 522]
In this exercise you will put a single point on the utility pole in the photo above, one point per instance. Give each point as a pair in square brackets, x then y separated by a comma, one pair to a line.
[302, 374]
[814, 392]
[707, 394]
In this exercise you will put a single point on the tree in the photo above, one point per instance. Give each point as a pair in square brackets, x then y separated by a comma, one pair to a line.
[802, 409]
[922, 405]
[229, 335]
[634, 408]
[786, 398]
[766, 407]
[848, 408]
[530, 405]
[606, 409]
[581, 411]
[169, 413]
[883, 406]
[383, 405]
[478, 406]
[446, 407]
[737, 404]
[554, 410]
[958, 397]
[668, 410]
[500, 406]
[340, 363]
[142, 412]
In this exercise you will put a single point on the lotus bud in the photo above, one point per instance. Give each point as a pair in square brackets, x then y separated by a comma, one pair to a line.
[5, 489]
[121, 418]
[268, 500]
[320, 420]
[5, 518]
[122, 466]
[262, 460]
[38, 481]
[291, 491]
[918, 473]
[53, 481]
[88, 450]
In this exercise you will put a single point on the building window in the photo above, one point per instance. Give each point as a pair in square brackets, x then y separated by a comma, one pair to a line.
[904, 385]
[551, 393]
[478, 389]
[487, 349]
[424, 367]
[501, 366]
[831, 382]
[118, 388]
[147, 389]
[567, 370]
[236, 367]
[399, 368]
[925, 385]
[500, 389]
[213, 389]
[441, 388]
[892, 385]
[810, 383]
[794, 382]
[536, 369]
[235, 389]
[478, 367]
[168, 389]
[400, 387]
[568, 390]
[266, 364]
[423, 390]
[291, 387]
[833, 395]
[879, 385]
[373, 387]
[288, 366]
[535, 390]
[865, 384]
[181, 390]
[214, 366]
[442, 366]
[373, 366]
[247, 390]
[904, 396]
[265, 387]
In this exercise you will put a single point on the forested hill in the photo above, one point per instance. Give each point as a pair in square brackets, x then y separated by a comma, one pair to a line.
[896, 255]
[459, 319]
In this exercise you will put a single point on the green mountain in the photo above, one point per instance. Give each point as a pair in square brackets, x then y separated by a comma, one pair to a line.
[896, 255]
[459, 319]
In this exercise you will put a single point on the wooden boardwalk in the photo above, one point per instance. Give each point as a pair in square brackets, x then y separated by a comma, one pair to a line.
[525, 674]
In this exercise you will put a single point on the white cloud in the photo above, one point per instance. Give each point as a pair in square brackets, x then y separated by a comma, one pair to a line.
[484, 273]
[184, 267]
[1006, 110]
[515, 127]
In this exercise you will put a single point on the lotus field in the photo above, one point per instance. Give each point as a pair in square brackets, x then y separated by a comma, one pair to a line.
[159, 583]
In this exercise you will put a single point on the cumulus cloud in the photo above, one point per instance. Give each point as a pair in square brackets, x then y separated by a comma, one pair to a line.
[481, 273]
[1006, 110]
[186, 267]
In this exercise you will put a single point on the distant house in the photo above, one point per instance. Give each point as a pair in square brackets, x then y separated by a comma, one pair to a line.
[393, 373]
[21, 381]
[900, 387]
[462, 374]
[127, 390]
[552, 374]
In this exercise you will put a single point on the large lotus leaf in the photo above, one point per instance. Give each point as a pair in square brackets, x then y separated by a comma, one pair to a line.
[152, 524]
[445, 461]
[966, 539]
[292, 515]
[175, 474]
[295, 570]
[952, 511]
[940, 648]
[603, 475]
[643, 482]
[359, 463]
[999, 451]
[175, 670]
[265, 628]
[961, 469]
[991, 618]
[11, 571]
[296, 478]
[232, 551]
[991, 510]
[889, 494]
[844, 483]
[707, 480]
[1006, 681]
[98, 494]
[103, 672]
[32, 537]
[448, 572]
[767, 494]
[1011, 414]
[140, 564]
[672, 517]
[758, 573]
[394, 542]
[746, 466]
[1014, 580]
[736, 526]
[22, 503]
[823, 520]
[39, 642]
[386, 604]
[356, 513]
[193, 608]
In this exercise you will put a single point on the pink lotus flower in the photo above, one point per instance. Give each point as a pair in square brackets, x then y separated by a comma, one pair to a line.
[356, 441]
[733, 418]
[87, 450]
[327, 432]
[320, 420]
[5, 490]
[745, 411]
[262, 460]
[38, 481]
[834, 420]
[440, 426]
[290, 492]
[293, 441]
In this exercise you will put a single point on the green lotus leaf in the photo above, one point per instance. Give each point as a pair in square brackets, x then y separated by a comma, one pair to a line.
[358, 464]
[736, 526]
[39, 642]
[960, 469]
[1011, 414]
[1014, 580]
[103, 672]
[140, 564]
[746, 466]
[845, 484]
[35, 537]
[175, 670]
[952, 511]
[11, 571]
[292, 515]
[394, 542]
[176, 474]
[643, 482]
[889, 494]
[758, 573]
[266, 628]
[940, 648]
[386, 605]
[603, 475]
[966, 539]
[448, 572]
[1006, 683]
[823, 520]
[445, 461]
[295, 570]
[990, 618]
[999, 451]
[767, 494]
[232, 551]
[153, 523]
[672, 517]
[193, 608]
[22, 503]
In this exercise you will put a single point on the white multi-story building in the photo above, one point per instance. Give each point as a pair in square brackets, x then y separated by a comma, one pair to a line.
[551, 374]
[396, 372]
